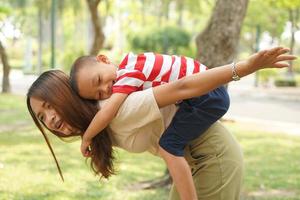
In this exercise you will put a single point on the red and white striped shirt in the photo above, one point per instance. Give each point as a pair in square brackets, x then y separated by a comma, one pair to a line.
[143, 71]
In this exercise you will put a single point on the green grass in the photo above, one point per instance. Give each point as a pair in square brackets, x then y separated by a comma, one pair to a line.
[13, 110]
[272, 164]
[27, 170]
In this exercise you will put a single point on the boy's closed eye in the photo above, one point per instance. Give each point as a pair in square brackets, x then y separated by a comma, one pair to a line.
[41, 118]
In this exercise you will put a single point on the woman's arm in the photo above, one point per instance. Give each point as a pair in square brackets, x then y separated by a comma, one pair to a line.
[201, 83]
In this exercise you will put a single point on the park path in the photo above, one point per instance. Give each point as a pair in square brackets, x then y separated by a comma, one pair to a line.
[270, 108]
[273, 109]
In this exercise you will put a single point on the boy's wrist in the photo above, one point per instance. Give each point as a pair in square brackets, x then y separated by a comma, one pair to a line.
[235, 76]
[86, 138]
[242, 68]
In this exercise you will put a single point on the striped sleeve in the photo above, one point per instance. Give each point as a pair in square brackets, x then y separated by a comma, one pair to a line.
[194, 66]
[128, 81]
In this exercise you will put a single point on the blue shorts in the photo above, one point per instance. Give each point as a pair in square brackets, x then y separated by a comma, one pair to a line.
[193, 118]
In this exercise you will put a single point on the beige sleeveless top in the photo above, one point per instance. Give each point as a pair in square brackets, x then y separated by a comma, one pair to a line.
[139, 123]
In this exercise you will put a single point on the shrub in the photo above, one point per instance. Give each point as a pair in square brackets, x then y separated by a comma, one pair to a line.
[69, 56]
[285, 82]
[169, 40]
[266, 74]
[296, 66]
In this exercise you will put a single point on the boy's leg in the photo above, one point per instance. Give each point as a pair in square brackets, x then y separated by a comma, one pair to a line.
[194, 117]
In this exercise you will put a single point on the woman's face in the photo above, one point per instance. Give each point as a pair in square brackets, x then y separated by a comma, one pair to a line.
[49, 117]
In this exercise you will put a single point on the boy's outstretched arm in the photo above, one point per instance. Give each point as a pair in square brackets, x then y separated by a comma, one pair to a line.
[201, 83]
[181, 175]
[101, 120]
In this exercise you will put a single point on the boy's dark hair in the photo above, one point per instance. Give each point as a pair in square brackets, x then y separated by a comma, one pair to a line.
[83, 61]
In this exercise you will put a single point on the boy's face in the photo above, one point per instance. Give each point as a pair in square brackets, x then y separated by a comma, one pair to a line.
[96, 81]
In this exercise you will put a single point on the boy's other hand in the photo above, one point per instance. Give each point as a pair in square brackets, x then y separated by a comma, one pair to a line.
[85, 144]
[271, 58]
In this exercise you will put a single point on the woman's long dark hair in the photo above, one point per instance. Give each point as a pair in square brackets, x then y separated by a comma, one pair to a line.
[54, 87]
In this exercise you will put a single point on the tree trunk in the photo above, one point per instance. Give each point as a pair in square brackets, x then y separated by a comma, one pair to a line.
[6, 69]
[164, 181]
[293, 15]
[98, 33]
[180, 8]
[53, 33]
[217, 44]
[40, 41]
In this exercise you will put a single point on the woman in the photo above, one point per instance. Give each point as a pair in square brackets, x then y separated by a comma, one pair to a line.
[215, 157]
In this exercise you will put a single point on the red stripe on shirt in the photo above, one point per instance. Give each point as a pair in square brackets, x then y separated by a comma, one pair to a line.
[126, 89]
[124, 62]
[156, 67]
[155, 83]
[182, 71]
[140, 62]
[135, 74]
[197, 67]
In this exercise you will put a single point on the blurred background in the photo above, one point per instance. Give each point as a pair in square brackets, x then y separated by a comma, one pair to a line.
[38, 35]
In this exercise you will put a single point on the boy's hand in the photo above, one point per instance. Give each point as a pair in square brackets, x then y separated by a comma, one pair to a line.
[269, 58]
[85, 147]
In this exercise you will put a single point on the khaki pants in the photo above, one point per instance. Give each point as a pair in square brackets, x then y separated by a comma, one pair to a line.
[216, 162]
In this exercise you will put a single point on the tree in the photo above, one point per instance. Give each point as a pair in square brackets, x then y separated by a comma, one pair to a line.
[166, 39]
[293, 9]
[268, 21]
[6, 69]
[5, 12]
[218, 43]
[98, 33]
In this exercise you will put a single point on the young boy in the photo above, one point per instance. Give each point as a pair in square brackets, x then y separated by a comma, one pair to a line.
[97, 78]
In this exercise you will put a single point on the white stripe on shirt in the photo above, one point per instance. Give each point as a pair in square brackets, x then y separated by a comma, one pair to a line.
[189, 66]
[175, 69]
[166, 66]
[131, 81]
[148, 67]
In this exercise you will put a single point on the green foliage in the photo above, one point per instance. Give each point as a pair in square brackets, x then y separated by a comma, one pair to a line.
[4, 11]
[287, 4]
[163, 40]
[296, 66]
[266, 74]
[266, 16]
[285, 82]
[70, 56]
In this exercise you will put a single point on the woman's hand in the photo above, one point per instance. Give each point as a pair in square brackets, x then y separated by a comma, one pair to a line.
[271, 58]
[85, 144]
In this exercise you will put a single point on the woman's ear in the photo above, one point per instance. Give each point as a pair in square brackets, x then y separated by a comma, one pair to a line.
[103, 58]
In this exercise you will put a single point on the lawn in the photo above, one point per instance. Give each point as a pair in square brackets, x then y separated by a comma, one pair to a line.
[27, 170]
